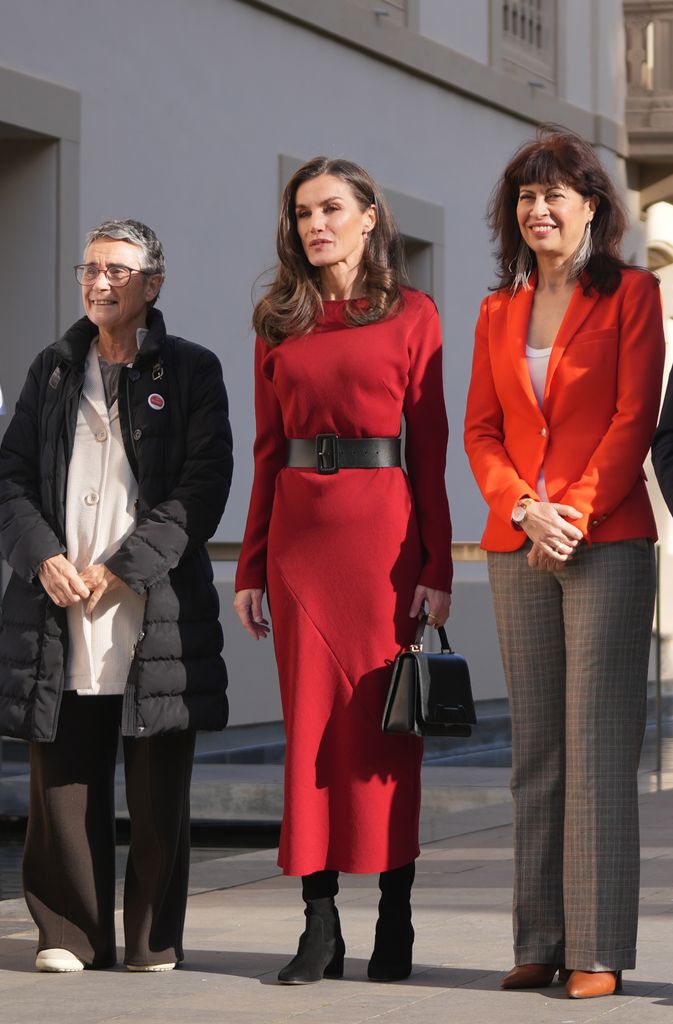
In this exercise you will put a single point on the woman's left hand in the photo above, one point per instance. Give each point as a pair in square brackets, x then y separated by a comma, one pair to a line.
[438, 601]
[99, 580]
[539, 559]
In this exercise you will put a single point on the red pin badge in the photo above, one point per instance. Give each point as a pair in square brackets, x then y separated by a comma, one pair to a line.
[156, 401]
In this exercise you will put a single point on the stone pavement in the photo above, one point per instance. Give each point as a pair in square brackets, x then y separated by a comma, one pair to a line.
[244, 918]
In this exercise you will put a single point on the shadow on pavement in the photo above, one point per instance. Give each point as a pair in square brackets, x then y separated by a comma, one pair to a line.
[17, 955]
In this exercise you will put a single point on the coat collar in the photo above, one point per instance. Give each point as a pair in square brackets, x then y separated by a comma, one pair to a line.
[74, 346]
[93, 390]
[582, 301]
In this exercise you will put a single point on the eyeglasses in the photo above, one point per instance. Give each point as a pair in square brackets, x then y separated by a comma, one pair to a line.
[116, 274]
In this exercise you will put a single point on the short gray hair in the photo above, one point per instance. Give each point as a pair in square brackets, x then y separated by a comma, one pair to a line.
[137, 233]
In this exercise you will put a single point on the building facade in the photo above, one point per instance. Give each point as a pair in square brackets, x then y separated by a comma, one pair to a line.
[190, 116]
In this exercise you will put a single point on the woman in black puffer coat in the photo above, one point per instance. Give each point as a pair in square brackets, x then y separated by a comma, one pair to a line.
[114, 472]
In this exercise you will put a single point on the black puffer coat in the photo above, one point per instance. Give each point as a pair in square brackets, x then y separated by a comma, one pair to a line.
[182, 458]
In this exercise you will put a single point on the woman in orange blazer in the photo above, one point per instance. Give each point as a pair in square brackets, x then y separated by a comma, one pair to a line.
[561, 410]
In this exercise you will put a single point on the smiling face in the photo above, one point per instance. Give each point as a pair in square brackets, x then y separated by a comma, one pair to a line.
[331, 224]
[552, 219]
[114, 309]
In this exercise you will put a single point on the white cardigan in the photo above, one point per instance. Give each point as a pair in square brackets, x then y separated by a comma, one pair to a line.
[99, 516]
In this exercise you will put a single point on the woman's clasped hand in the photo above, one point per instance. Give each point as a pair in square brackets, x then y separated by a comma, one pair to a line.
[66, 587]
[63, 583]
[554, 538]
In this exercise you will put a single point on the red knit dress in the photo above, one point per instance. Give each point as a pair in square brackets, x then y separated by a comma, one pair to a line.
[340, 557]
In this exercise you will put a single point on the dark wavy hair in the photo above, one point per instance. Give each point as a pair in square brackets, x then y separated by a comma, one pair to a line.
[292, 303]
[558, 157]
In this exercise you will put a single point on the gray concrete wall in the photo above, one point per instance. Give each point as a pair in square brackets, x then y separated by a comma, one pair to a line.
[186, 110]
[27, 274]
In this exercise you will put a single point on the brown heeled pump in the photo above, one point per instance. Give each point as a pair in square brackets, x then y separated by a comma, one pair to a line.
[534, 976]
[589, 984]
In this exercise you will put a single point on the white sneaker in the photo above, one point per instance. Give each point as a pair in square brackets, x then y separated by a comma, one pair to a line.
[58, 961]
[150, 967]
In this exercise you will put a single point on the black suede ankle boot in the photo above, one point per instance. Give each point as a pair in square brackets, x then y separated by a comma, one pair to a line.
[321, 946]
[391, 959]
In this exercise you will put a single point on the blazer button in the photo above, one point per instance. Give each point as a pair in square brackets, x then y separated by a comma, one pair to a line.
[101, 435]
[91, 498]
[137, 434]
[543, 432]
[134, 374]
[595, 522]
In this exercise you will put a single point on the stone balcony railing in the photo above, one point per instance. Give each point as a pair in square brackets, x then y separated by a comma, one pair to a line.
[649, 74]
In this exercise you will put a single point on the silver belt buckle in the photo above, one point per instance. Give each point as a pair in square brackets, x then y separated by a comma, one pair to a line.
[327, 453]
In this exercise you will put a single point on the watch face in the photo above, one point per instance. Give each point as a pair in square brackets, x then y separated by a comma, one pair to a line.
[519, 514]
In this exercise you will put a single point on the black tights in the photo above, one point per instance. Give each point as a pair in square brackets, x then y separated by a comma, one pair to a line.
[321, 884]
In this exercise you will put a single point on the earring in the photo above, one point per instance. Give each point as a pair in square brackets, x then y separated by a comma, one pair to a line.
[582, 253]
[522, 268]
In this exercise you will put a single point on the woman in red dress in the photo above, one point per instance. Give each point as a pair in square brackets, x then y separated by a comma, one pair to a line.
[348, 546]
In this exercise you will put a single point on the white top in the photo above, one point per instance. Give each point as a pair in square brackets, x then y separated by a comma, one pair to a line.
[100, 514]
[538, 361]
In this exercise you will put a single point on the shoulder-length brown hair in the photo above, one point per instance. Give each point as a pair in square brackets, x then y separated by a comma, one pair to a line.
[558, 156]
[292, 303]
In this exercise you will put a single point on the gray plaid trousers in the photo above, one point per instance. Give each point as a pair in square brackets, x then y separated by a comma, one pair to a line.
[575, 647]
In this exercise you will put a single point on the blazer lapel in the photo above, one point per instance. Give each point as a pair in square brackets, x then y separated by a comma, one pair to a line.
[518, 317]
[579, 307]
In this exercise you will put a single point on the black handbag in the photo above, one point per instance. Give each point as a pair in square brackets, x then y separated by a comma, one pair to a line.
[430, 694]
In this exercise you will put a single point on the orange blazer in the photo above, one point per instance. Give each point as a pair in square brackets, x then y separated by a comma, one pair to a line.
[598, 416]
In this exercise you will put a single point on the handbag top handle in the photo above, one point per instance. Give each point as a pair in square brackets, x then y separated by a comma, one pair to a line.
[420, 630]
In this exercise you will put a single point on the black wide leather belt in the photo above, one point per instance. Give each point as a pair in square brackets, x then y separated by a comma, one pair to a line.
[328, 453]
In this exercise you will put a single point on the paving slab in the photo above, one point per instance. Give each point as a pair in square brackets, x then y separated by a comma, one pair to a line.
[244, 918]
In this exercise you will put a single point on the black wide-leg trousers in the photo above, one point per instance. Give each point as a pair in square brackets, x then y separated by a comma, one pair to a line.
[69, 854]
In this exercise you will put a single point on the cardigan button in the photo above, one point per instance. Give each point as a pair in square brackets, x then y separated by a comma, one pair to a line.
[543, 432]
[595, 522]
[101, 435]
[91, 498]
[137, 434]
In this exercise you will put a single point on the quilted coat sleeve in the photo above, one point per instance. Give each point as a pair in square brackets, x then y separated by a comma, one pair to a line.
[427, 435]
[26, 539]
[270, 454]
[192, 511]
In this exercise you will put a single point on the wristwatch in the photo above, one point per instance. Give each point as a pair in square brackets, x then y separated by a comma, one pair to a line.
[519, 512]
